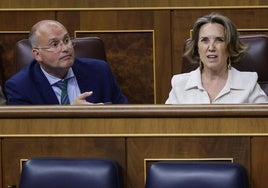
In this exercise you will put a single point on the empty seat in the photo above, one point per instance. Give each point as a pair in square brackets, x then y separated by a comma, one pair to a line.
[196, 175]
[71, 173]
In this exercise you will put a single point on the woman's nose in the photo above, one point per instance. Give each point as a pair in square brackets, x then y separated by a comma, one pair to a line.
[211, 46]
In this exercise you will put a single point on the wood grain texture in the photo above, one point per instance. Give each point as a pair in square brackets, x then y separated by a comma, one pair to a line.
[189, 148]
[15, 149]
[125, 3]
[1, 165]
[259, 160]
[132, 133]
[130, 56]
[147, 59]
[13, 31]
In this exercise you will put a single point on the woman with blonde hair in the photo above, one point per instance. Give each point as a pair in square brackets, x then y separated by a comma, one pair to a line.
[215, 45]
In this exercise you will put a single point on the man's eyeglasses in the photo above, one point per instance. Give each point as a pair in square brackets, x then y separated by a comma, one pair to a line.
[56, 45]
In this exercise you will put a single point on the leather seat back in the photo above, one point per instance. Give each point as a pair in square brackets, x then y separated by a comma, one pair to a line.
[196, 175]
[71, 173]
[90, 47]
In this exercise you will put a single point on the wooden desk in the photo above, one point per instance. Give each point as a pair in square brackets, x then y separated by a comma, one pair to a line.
[136, 136]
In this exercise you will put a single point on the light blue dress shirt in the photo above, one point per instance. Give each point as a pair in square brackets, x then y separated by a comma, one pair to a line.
[72, 87]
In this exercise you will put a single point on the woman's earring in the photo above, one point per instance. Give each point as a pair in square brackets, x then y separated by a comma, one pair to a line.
[229, 63]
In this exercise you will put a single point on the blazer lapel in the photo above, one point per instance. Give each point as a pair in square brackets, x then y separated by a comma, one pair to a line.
[81, 77]
[46, 92]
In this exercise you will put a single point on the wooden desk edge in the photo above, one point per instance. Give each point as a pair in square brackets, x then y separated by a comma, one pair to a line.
[134, 111]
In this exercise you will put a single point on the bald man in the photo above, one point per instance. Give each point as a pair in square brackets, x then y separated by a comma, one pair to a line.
[87, 81]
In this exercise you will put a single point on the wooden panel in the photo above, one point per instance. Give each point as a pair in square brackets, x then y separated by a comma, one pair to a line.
[15, 149]
[13, 31]
[112, 20]
[132, 134]
[125, 3]
[22, 20]
[7, 43]
[163, 55]
[196, 148]
[259, 162]
[183, 20]
[130, 55]
[157, 47]
[137, 120]
[1, 168]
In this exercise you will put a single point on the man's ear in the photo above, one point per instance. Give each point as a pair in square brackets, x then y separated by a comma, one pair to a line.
[36, 54]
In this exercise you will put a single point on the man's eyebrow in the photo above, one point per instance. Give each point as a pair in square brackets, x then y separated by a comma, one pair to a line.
[56, 39]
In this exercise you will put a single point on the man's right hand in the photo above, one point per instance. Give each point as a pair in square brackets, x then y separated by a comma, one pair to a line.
[81, 99]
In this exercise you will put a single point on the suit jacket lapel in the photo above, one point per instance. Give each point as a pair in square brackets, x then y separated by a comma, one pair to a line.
[46, 92]
[80, 77]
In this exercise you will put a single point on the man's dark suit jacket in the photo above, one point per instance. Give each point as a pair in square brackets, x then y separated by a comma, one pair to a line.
[30, 85]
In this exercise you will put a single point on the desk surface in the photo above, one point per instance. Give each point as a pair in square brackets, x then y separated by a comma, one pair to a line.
[134, 120]
[134, 111]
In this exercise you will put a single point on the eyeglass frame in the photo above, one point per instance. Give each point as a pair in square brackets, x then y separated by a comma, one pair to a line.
[59, 44]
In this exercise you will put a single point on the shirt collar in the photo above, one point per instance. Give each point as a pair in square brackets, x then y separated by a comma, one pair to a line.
[52, 79]
[234, 80]
[194, 80]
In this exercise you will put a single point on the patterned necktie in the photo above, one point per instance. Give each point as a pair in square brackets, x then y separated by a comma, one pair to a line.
[62, 84]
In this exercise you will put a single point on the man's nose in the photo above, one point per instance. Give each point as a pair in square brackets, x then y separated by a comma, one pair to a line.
[63, 46]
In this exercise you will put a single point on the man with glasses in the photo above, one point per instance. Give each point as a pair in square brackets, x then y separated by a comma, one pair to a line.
[57, 77]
